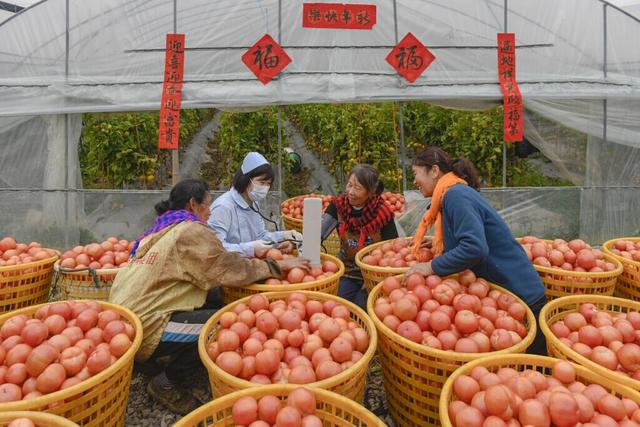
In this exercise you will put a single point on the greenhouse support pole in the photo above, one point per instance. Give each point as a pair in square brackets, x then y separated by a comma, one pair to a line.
[403, 153]
[280, 173]
[66, 132]
[504, 144]
[402, 142]
[175, 154]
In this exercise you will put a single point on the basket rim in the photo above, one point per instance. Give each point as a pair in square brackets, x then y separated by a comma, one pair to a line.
[580, 274]
[606, 246]
[50, 260]
[226, 401]
[262, 287]
[529, 359]
[445, 354]
[211, 366]
[579, 299]
[84, 272]
[38, 416]
[376, 268]
[89, 382]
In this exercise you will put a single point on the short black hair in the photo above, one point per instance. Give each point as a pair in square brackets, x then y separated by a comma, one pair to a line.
[181, 193]
[241, 180]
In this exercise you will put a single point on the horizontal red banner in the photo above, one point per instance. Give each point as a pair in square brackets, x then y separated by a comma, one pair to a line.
[339, 15]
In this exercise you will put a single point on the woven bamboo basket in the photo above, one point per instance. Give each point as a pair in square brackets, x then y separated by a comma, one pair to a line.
[84, 283]
[560, 283]
[333, 409]
[98, 401]
[331, 244]
[374, 274]
[328, 285]
[24, 285]
[520, 362]
[349, 383]
[40, 419]
[414, 374]
[559, 308]
[628, 285]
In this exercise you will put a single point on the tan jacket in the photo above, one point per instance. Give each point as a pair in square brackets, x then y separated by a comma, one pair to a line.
[173, 270]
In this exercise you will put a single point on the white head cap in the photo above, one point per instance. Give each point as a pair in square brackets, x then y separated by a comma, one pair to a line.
[252, 161]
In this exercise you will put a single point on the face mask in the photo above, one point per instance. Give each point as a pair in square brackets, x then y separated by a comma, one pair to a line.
[258, 192]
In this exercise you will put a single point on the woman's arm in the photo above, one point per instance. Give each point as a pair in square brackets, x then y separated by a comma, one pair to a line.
[220, 222]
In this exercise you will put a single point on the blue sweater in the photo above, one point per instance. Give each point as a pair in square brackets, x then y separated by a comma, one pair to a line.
[477, 238]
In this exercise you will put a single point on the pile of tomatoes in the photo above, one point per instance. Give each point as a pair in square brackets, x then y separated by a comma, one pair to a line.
[612, 341]
[575, 255]
[14, 253]
[296, 341]
[462, 315]
[299, 410]
[627, 249]
[112, 253]
[63, 344]
[396, 254]
[530, 398]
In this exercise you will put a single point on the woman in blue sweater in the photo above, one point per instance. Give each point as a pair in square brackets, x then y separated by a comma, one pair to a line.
[469, 233]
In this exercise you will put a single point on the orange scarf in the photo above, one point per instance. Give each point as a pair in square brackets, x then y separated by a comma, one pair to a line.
[433, 216]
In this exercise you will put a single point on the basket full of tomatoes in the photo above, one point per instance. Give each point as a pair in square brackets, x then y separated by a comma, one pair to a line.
[627, 251]
[69, 358]
[25, 274]
[309, 338]
[89, 271]
[322, 278]
[570, 268]
[429, 327]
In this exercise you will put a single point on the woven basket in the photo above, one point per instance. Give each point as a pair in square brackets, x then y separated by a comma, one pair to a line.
[98, 401]
[560, 283]
[374, 274]
[84, 283]
[557, 309]
[349, 383]
[328, 285]
[414, 374]
[40, 419]
[628, 285]
[520, 362]
[24, 285]
[331, 244]
[333, 409]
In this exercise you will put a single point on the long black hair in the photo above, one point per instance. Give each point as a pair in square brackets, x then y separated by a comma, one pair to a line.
[462, 167]
[181, 193]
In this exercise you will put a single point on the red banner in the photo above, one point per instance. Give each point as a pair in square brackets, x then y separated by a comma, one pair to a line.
[512, 99]
[266, 59]
[169, 128]
[339, 15]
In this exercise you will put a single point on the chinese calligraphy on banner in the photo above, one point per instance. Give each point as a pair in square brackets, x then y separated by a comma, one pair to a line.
[266, 59]
[512, 99]
[338, 15]
[410, 58]
[169, 129]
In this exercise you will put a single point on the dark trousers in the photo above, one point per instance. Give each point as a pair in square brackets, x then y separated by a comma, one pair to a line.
[183, 356]
[539, 344]
[351, 289]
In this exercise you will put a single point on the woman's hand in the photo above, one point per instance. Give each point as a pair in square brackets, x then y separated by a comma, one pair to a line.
[288, 264]
[423, 268]
[285, 247]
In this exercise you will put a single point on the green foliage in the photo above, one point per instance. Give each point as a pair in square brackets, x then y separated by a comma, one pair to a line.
[347, 134]
[121, 149]
[240, 133]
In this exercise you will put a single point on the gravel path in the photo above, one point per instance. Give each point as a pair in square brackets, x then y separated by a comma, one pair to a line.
[145, 412]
